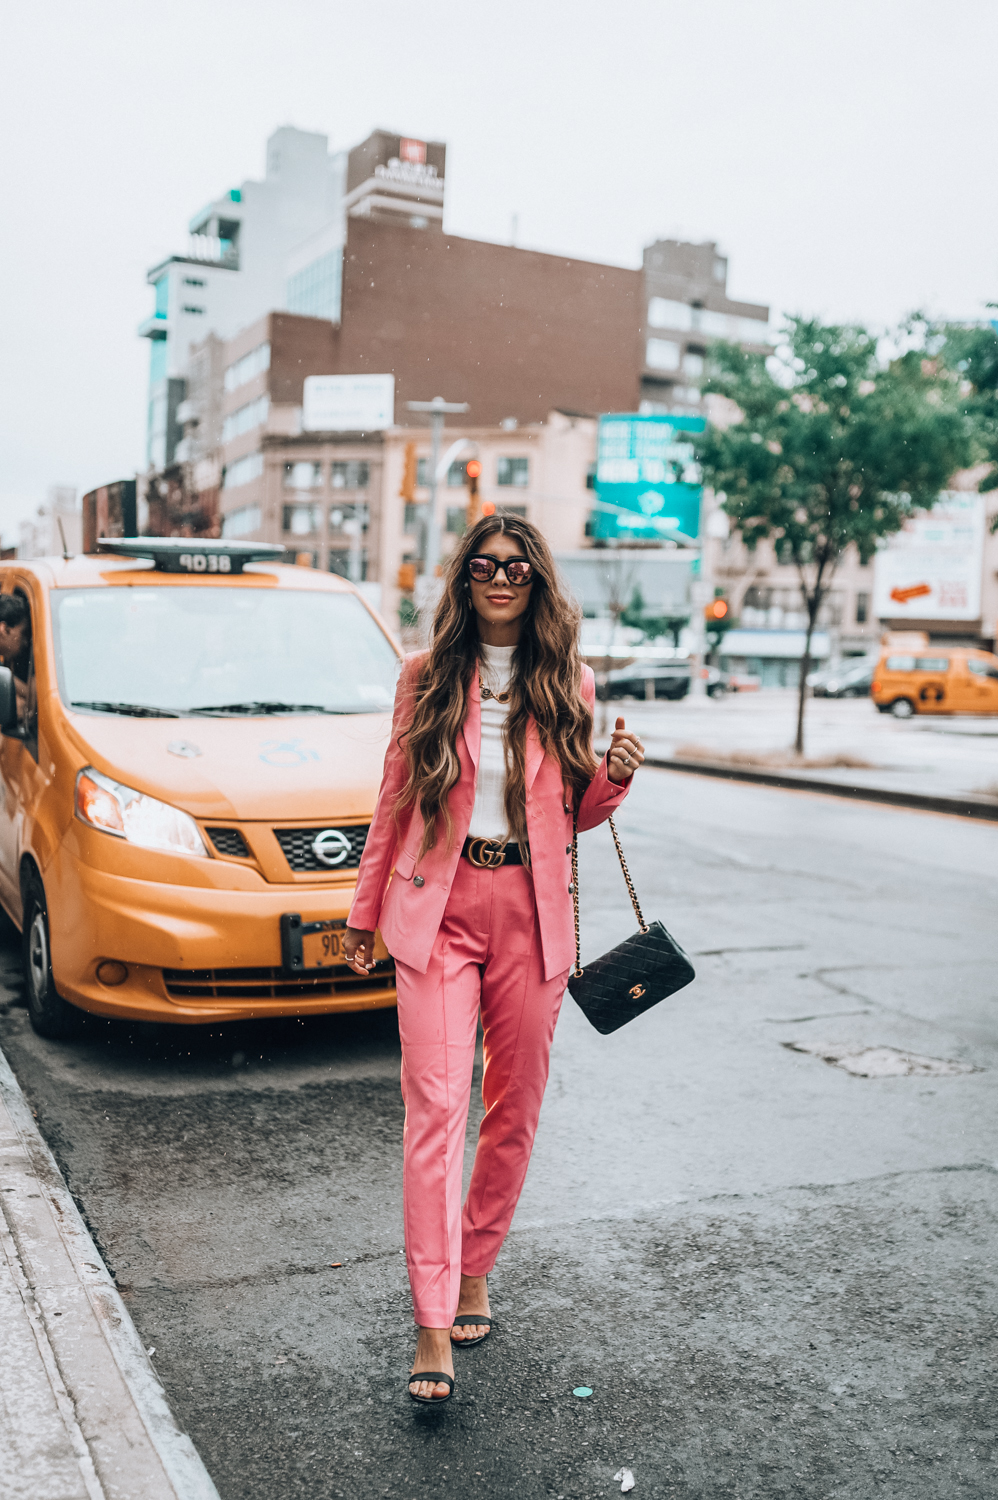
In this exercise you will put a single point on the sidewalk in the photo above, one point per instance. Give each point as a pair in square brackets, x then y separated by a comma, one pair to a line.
[937, 759]
[82, 1413]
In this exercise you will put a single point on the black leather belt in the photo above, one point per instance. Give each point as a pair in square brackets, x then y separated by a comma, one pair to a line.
[489, 854]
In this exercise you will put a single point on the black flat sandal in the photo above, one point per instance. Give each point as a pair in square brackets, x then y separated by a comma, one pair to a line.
[431, 1375]
[464, 1321]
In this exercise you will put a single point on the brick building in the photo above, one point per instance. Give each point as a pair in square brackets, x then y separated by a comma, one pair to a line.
[536, 345]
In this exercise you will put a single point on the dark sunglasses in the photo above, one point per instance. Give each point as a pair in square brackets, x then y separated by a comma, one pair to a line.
[484, 568]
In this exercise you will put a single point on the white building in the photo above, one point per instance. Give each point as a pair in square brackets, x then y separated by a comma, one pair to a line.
[261, 246]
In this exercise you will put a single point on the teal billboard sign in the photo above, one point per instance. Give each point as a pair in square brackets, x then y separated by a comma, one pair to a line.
[647, 483]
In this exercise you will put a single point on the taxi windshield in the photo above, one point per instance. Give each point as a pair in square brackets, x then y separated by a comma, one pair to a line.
[189, 649]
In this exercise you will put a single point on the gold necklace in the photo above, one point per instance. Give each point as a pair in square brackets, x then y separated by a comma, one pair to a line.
[487, 692]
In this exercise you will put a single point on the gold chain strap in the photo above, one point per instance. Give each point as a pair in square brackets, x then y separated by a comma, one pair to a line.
[578, 970]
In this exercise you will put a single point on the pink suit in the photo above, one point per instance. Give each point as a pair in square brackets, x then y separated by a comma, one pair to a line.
[463, 938]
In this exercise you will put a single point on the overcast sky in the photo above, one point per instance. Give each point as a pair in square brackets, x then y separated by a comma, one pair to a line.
[841, 154]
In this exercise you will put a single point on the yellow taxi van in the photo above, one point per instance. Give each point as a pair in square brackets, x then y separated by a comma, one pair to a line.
[936, 680]
[192, 743]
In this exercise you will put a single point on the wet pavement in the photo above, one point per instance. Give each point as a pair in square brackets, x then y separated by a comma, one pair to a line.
[776, 1275]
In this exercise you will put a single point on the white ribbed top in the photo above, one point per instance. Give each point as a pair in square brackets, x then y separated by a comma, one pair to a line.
[488, 817]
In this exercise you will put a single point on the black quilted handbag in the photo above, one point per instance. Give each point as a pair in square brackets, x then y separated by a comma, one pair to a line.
[635, 975]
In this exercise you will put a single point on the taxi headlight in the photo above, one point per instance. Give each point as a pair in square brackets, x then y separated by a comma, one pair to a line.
[131, 815]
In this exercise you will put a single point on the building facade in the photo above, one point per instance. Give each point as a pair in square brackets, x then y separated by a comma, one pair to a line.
[337, 267]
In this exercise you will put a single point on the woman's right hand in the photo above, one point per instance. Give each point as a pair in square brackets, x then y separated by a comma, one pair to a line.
[359, 948]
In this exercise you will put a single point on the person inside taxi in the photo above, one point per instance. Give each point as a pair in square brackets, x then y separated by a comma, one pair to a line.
[15, 643]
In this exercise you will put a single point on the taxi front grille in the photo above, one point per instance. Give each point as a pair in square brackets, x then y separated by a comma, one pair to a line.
[296, 844]
[272, 984]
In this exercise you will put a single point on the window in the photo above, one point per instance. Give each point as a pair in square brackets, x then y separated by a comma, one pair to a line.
[693, 363]
[242, 522]
[157, 361]
[162, 296]
[228, 645]
[315, 291]
[248, 367]
[413, 516]
[301, 520]
[423, 472]
[591, 477]
[245, 419]
[189, 308]
[457, 519]
[662, 354]
[918, 664]
[194, 281]
[665, 314]
[457, 475]
[348, 520]
[513, 471]
[512, 510]
[862, 608]
[241, 472]
[982, 668]
[302, 476]
[351, 474]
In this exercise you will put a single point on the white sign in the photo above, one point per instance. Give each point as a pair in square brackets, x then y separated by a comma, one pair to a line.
[932, 569]
[348, 403]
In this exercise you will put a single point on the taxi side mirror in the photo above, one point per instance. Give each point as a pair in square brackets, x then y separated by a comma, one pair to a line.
[9, 723]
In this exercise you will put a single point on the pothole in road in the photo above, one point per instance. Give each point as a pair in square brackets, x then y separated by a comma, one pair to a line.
[880, 1062]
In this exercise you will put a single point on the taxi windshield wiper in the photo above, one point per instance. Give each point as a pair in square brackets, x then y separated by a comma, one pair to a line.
[134, 710]
[264, 706]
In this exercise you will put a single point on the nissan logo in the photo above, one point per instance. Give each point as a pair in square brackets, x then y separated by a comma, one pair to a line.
[331, 847]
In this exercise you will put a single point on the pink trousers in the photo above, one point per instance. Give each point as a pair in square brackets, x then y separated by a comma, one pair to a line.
[487, 956]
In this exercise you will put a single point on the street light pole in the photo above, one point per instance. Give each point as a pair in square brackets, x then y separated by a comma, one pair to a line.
[438, 408]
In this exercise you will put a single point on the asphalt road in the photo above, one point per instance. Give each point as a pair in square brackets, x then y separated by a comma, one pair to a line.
[777, 1278]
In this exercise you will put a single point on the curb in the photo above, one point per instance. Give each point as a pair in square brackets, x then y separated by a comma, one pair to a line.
[968, 806]
[134, 1445]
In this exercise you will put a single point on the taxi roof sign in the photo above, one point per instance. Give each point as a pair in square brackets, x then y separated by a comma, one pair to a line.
[181, 554]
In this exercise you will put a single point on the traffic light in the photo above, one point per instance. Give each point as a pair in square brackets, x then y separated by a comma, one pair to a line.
[407, 577]
[407, 489]
[472, 474]
[717, 615]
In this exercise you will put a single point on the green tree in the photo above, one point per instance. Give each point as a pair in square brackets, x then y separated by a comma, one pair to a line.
[831, 447]
[972, 355]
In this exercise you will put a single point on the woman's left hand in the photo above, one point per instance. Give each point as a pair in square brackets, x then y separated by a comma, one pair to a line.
[625, 754]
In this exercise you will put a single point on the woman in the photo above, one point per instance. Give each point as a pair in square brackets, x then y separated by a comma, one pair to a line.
[467, 872]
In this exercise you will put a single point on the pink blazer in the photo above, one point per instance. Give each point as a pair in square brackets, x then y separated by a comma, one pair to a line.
[409, 914]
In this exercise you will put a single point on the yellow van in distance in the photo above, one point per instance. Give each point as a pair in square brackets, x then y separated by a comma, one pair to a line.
[936, 680]
[188, 774]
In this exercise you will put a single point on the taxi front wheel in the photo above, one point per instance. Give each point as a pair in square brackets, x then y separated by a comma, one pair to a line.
[50, 1015]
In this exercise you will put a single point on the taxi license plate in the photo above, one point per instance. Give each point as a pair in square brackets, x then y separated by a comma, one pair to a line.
[316, 945]
[322, 948]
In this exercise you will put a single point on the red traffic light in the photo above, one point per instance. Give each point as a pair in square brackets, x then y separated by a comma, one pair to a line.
[716, 609]
[473, 468]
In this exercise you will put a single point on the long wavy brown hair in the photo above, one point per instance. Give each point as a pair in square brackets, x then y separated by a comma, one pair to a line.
[545, 685]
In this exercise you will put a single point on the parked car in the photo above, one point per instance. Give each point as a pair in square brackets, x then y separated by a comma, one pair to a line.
[186, 783]
[941, 680]
[670, 681]
[844, 681]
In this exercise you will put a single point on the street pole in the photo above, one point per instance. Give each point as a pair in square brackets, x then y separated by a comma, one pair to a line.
[438, 408]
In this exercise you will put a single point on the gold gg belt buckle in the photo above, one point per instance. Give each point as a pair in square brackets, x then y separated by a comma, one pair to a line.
[486, 854]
